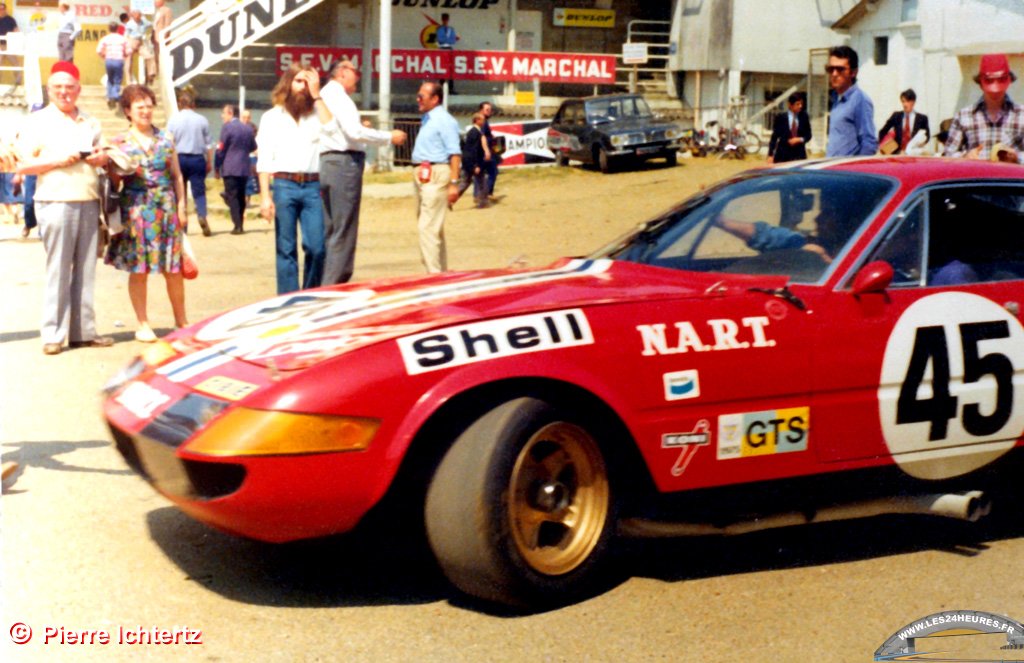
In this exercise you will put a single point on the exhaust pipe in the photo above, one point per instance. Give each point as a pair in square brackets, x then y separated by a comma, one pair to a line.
[969, 506]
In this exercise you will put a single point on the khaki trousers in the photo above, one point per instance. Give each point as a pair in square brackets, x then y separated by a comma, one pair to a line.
[432, 208]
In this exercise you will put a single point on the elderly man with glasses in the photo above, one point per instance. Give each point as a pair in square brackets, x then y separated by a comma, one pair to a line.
[995, 123]
[851, 122]
[342, 160]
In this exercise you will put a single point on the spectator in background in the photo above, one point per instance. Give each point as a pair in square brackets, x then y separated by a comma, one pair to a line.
[473, 151]
[8, 25]
[123, 19]
[342, 161]
[851, 123]
[61, 145]
[289, 150]
[237, 141]
[446, 38]
[995, 121]
[492, 153]
[791, 132]
[112, 49]
[191, 134]
[154, 213]
[136, 30]
[906, 123]
[162, 20]
[252, 185]
[68, 29]
[438, 158]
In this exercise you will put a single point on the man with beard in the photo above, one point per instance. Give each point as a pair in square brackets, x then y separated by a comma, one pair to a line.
[342, 160]
[289, 150]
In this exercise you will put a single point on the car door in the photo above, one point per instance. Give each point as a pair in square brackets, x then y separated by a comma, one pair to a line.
[929, 371]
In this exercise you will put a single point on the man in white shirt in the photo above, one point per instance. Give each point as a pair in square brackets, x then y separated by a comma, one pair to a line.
[289, 150]
[342, 160]
[61, 145]
[68, 29]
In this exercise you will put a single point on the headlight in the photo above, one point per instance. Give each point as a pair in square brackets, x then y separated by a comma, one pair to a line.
[618, 140]
[673, 134]
[247, 432]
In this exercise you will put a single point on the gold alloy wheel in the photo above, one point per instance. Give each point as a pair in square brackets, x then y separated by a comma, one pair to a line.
[558, 498]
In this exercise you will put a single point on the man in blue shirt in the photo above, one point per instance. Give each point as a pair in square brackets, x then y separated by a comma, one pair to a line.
[851, 123]
[191, 132]
[438, 160]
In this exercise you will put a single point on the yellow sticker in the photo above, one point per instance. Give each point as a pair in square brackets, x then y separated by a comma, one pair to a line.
[225, 387]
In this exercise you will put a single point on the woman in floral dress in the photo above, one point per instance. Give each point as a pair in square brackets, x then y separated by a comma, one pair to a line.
[152, 209]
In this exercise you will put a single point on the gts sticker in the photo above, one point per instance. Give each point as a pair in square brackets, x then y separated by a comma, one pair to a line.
[493, 339]
[763, 433]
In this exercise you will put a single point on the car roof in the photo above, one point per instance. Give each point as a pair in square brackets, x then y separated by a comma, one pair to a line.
[915, 171]
[617, 95]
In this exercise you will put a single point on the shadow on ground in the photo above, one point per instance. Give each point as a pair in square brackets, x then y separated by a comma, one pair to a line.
[367, 568]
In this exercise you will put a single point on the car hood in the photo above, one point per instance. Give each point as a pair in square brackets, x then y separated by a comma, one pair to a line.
[296, 330]
[627, 125]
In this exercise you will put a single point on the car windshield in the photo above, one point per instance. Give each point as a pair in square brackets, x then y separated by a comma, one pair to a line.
[784, 223]
[617, 108]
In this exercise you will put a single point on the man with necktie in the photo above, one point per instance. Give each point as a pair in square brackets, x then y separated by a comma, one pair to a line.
[906, 123]
[790, 132]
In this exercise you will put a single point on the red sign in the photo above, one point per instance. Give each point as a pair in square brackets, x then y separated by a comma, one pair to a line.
[501, 66]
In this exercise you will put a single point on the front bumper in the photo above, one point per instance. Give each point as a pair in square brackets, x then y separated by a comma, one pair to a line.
[647, 150]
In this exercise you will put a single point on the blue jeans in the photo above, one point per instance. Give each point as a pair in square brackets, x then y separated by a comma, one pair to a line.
[115, 72]
[490, 169]
[193, 171]
[28, 187]
[298, 206]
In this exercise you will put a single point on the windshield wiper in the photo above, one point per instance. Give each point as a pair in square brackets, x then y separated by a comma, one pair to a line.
[782, 293]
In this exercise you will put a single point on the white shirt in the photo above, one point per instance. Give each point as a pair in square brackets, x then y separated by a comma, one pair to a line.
[346, 131]
[287, 146]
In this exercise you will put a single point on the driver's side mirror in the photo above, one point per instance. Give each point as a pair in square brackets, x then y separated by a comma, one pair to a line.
[874, 277]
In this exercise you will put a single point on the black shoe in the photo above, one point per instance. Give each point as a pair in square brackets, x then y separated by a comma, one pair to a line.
[205, 226]
[237, 231]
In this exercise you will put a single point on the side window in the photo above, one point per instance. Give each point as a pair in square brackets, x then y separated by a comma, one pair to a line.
[975, 234]
[903, 247]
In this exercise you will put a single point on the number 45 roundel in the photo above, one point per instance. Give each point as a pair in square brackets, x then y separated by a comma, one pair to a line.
[951, 395]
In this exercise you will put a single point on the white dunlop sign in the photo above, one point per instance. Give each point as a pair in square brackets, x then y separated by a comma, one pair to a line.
[219, 29]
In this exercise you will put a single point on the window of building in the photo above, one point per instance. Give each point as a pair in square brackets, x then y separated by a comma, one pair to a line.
[909, 11]
[881, 50]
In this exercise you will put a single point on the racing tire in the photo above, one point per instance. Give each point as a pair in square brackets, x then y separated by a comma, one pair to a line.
[671, 158]
[603, 161]
[751, 142]
[520, 510]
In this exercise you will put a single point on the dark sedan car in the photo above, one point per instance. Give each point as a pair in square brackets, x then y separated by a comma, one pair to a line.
[611, 128]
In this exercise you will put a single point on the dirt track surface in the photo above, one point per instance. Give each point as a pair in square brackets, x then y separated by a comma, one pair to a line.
[89, 546]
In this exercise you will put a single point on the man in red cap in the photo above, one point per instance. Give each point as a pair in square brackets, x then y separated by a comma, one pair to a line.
[61, 145]
[994, 120]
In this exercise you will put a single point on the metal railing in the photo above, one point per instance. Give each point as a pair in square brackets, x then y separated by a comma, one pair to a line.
[657, 36]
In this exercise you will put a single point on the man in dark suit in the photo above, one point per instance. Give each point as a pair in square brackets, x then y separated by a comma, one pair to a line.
[237, 142]
[906, 123]
[790, 133]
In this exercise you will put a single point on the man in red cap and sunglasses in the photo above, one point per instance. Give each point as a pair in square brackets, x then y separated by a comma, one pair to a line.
[994, 120]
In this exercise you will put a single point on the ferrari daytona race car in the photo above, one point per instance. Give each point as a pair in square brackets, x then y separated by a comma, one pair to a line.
[836, 339]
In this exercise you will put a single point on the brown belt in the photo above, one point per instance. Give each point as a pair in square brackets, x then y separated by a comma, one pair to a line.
[301, 178]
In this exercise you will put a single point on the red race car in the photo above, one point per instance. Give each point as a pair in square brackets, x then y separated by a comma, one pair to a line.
[830, 340]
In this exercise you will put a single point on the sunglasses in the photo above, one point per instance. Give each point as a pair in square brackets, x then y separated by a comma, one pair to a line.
[1005, 78]
[836, 70]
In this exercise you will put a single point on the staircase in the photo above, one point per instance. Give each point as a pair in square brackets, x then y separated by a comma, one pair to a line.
[93, 100]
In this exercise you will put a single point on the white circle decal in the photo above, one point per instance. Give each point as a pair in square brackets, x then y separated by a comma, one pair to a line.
[951, 393]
